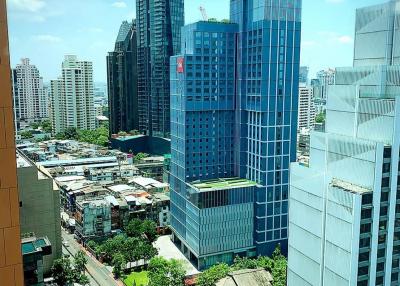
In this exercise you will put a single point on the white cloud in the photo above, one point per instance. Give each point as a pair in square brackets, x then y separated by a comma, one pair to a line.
[131, 15]
[334, 1]
[119, 4]
[95, 30]
[47, 39]
[307, 43]
[27, 5]
[333, 37]
[345, 39]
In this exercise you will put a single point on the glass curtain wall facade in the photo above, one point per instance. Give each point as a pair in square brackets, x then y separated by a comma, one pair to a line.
[267, 82]
[211, 210]
[159, 24]
[122, 81]
[234, 102]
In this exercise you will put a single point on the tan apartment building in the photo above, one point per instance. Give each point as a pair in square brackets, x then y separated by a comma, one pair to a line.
[10, 242]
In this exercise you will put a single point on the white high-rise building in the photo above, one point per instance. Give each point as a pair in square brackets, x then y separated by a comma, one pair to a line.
[72, 103]
[344, 214]
[306, 116]
[30, 97]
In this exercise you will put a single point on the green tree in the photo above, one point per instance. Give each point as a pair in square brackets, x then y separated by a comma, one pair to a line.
[91, 244]
[134, 228]
[166, 272]
[131, 249]
[279, 267]
[266, 263]
[112, 246]
[34, 125]
[119, 264]
[46, 125]
[122, 133]
[244, 263]
[149, 251]
[212, 20]
[71, 133]
[213, 274]
[134, 132]
[149, 228]
[226, 21]
[140, 156]
[80, 261]
[62, 271]
[26, 134]
[83, 280]
[320, 118]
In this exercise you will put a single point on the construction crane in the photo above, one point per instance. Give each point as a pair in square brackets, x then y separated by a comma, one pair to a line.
[203, 13]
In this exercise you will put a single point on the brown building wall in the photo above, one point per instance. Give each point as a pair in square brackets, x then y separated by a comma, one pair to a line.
[10, 243]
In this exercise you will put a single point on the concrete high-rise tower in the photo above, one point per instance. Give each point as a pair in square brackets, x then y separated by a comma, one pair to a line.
[345, 205]
[11, 272]
[159, 24]
[30, 97]
[306, 107]
[72, 103]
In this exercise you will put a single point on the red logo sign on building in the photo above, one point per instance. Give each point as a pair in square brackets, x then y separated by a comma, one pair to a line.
[180, 62]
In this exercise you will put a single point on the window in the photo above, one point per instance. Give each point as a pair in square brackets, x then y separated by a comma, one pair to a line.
[365, 228]
[381, 253]
[386, 168]
[367, 199]
[387, 153]
[366, 214]
[363, 270]
[365, 242]
[385, 182]
[379, 280]
[363, 257]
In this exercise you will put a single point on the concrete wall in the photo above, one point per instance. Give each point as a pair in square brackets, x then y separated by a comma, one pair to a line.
[40, 210]
[11, 273]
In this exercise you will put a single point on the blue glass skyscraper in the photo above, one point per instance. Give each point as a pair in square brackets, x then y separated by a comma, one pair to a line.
[267, 102]
[234, 97]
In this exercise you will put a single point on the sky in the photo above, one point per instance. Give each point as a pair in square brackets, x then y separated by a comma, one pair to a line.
[46, 30]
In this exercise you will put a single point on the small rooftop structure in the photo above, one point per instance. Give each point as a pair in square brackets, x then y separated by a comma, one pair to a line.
[97, 202]
[247, 277]
[102, 118]
[349, 187]
[32, 245]
[222, 184]
[148, 183]
[66, 179]
[75, 162]
[121, 188]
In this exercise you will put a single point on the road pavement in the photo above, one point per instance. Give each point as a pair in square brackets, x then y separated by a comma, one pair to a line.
[99, 275]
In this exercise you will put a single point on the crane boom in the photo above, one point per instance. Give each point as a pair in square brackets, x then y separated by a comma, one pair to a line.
[203, 13]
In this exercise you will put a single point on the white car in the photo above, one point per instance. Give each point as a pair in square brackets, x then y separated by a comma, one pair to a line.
[65, 243]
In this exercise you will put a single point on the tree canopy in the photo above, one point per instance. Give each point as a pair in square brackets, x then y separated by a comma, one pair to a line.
[66, 272]
[98, 136]
[276, 266]
[166, 272]
[135, 247]
[320, 118]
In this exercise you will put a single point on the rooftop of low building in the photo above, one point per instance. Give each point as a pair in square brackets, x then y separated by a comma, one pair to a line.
[222, 184]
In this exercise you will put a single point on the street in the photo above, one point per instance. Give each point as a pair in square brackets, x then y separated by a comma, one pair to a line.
[98, 274]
